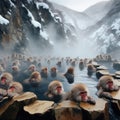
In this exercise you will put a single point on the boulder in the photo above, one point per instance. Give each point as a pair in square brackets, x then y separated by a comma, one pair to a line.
[11, 108]
[68, 110]
[39, 107]
[94, 112]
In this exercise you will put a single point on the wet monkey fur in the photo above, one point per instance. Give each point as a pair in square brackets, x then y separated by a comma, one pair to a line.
[80, 93]
[55, 91]
[106, 85]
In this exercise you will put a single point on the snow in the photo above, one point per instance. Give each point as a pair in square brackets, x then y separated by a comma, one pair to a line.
[116, 26]
[11, 3]
[45, 6]
[44, 34]
[29, 1]
[42, 4]
[33, 21]
[3, 20]
[101, 36]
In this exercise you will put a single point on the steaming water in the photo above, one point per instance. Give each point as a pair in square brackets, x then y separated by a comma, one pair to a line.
[80, 77]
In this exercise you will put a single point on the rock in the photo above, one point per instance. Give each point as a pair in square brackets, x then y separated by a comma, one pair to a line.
[100, 73]
[102, 68]
[116, 94]
[39, 107]
[68, 110]
[94, 112]
[117, 74]
[11, 108]
[116, 65]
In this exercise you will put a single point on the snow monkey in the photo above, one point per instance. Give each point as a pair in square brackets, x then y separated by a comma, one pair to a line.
[5, 80]
[81, 64]
[70, 75]
[14, 89]
[80, 93]
[44, 72]
[105, 85]
[55, 91]
[53, 72]
[90, 69]
[34, 79]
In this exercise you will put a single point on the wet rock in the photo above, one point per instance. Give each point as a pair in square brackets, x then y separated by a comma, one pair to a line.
[39, 107]
[12, 107]
[68, 110]
[100, 73]
[94, 112]
[117, 74]
[116, 65]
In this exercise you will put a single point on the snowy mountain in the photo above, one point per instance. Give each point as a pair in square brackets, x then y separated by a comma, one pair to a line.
[99, 10]
[32, 25]
[79, 20]
[106, 34]
[39, 26]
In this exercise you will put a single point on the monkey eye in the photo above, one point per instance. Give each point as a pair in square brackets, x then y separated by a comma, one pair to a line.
[59, 87]
[110, 82]
[12, 87]
[84, 92]
[3, 78]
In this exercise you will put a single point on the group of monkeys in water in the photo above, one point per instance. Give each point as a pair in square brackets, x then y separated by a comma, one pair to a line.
[33, 75]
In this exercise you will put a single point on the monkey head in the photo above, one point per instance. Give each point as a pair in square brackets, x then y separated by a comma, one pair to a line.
[53, 72]
[55, 87]
[70, 70]
[106, 83]
[15, 68]
[6, 78]
[14, 89]
[44, 72]
[79, 92]
[32, 68]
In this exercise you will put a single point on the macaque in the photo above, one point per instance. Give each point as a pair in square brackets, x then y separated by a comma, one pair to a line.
[70, 75]
[44, 72]
[15, 89]
[32, 68]
[55, 91]
[5, 80]
[53, 72]
[34, 79]
[80, 93]
[59, 64]
[15, 72]
[105, 85]
[29, 71]
[16, 63]
[73, 63]
[90, 69]
[81, 64]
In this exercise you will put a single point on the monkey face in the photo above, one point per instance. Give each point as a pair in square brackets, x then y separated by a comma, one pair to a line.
[109, 85]
[53, 72]
[6, 78]
[3, 80]
[15, 88]
[56, 88]
[79, 93]
[32, 68]
[106, 82]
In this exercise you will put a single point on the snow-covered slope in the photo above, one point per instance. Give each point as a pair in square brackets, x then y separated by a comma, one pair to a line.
[78, 19]
[107, 35]
[99, 10]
